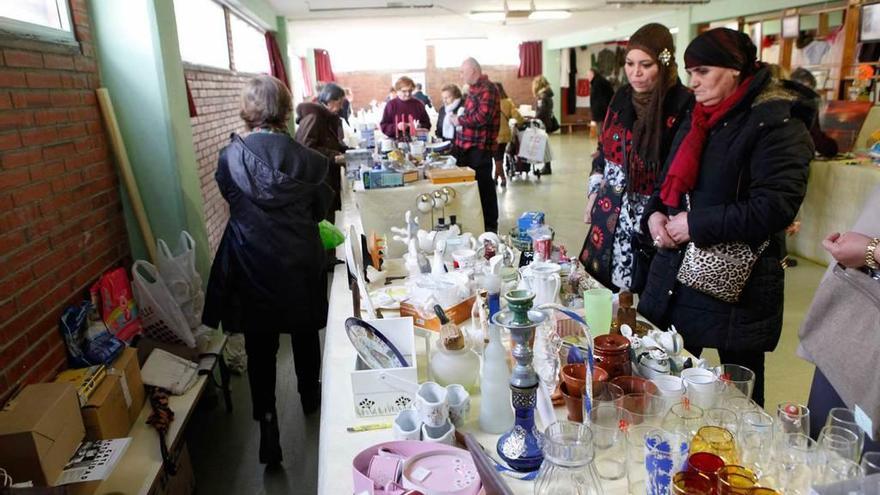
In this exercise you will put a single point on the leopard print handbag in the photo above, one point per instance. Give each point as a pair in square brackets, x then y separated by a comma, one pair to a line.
[720, 270]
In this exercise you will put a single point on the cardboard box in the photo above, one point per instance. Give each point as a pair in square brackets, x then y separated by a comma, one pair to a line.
[128, 364]
[459, 313]
[384, 392]
[39, 431]
[105, 415]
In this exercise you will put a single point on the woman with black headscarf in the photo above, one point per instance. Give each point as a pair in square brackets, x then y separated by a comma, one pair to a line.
[736, 179]
[640, 124]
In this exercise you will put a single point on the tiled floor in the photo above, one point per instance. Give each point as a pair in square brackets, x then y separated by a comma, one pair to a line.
[224, 446]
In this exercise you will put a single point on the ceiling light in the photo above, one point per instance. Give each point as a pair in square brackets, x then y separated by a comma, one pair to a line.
[488, 16]
[548, 15]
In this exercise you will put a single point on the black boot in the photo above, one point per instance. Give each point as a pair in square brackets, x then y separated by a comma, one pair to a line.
[546, 170]
[270, 445]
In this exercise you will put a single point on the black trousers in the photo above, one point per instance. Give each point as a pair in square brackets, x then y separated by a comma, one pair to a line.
[481, 162]
[823, 398]
[262, 350]
[751, 359]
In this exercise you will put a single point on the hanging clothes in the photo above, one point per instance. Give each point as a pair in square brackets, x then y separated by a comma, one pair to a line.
[564, 67]
[571, 97]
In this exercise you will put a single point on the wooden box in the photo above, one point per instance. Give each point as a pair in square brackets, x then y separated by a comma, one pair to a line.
[449, 175]
[459, 313]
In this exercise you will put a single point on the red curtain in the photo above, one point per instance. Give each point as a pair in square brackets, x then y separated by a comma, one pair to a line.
[307, 78]
[189, 100]
[276, 60]
[323, 69]
[530, 59]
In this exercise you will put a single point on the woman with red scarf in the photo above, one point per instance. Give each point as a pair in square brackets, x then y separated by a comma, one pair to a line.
[641, 121]
[737, 176]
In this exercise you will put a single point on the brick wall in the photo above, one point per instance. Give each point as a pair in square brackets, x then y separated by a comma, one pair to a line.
[373, 85]
[61, 222]
[215, 93]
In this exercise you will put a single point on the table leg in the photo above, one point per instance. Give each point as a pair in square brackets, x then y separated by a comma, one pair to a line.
[224, 382]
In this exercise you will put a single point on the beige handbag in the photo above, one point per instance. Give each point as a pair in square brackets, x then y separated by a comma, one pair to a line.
[720, 270]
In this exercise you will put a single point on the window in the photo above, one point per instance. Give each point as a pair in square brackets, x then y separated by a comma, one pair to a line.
[248, 47]
[201, 32]
[450, 53]
[34, 16]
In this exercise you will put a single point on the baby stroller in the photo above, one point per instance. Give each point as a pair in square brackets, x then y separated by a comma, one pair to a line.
[515, 164]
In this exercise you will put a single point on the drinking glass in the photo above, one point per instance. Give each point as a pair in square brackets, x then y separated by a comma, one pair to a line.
[839, 441]
[608, 441]
[846, 418]
[716, 440]
[798, 463]
[639, 409]
[725, 418]
[871, 462]
[741, 404]
[707, 464]
[839, 469]
[703, 387]
[665, 455]
[756, 441]
[684, 418]
[691, 483]
[735, 480]
[568, 461]
[606, 392]
[635, 457]
[739, 380]
[792, 418]
[597, 310]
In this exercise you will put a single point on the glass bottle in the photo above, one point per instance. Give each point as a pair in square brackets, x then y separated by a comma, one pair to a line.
[568, 467]
[496, 413]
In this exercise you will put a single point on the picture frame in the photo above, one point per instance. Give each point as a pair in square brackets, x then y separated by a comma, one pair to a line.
[791, 26]
[869, 23]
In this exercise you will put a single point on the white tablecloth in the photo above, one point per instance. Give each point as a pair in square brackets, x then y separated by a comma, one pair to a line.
[381, 209]
[836, 193]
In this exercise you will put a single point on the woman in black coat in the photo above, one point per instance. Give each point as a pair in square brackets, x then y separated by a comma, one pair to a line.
[641, 122]
[268, 273]
[742, 159]
[452, 101]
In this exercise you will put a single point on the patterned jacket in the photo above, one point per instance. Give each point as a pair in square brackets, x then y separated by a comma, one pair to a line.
[480, 121]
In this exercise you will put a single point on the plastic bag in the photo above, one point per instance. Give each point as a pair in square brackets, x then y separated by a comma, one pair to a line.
[117, 305]
[533, 145]
[331, 236]
[180, 276]
[161, 316]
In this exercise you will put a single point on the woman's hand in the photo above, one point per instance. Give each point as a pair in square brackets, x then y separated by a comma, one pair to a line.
[401, 126]
[847, 248]
[657, 223]
[677, 227]
[591, 200]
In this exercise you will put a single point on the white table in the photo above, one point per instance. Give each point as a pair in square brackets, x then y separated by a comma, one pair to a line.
[836, 192]
[337, 447]
[141, 465]
[381, 209]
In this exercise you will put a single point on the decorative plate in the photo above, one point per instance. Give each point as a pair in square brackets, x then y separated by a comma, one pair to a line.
[374, 348]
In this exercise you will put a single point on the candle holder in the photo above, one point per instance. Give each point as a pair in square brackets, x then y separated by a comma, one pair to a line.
[520, 446]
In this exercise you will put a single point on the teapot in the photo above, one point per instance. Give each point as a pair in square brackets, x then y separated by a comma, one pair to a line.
[543, 279]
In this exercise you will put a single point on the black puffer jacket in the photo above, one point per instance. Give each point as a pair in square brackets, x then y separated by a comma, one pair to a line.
[268, 272]
[752, 180]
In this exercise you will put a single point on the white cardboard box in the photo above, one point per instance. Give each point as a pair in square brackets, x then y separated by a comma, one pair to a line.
[378, 396]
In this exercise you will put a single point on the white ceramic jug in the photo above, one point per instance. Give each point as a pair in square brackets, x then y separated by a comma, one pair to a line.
[543, 279]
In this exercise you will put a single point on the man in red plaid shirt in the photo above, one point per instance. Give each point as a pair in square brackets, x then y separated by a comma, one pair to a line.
[476, 139]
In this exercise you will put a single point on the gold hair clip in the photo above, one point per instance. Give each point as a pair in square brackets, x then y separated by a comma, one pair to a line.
[665, 57]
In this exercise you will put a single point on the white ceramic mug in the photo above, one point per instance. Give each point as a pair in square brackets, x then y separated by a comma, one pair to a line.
[703, 387]
[445, 433]
[407, 425]
[464, 258]
[431, 404]
[669, 385]
[459, 401]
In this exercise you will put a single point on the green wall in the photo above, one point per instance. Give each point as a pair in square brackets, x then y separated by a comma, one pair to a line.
[551, 67]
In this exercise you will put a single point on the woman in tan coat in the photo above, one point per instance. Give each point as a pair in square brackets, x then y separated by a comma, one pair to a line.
[508, 111]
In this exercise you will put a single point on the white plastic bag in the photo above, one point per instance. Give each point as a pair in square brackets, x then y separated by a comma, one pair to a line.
[161, 316]
[180, 275]
[533, 145]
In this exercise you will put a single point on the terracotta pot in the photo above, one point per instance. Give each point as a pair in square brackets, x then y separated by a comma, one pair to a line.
[612, 355]
[574, 376]
[575, 405]
[635, 385]
[599, 375]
